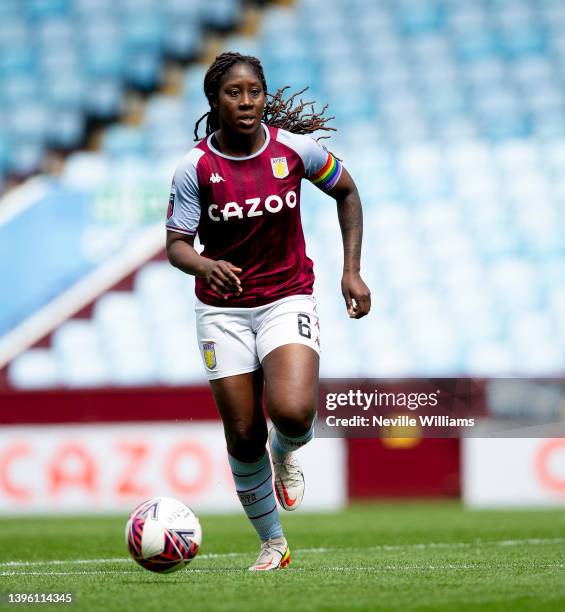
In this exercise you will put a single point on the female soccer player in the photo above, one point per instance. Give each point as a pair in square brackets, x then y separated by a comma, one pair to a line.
[257, 326]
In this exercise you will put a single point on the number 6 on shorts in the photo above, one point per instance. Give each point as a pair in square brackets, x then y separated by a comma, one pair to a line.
[304, 325]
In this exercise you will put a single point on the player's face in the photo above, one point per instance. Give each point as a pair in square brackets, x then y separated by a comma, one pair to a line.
[241, 100]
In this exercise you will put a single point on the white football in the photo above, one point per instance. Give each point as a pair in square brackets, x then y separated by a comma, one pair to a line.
[163, 534]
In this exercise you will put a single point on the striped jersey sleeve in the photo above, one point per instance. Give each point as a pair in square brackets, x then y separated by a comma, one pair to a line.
[183, 213]
[320, 166]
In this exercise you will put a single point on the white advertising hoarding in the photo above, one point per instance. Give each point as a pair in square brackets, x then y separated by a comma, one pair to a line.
[111, 468]
[504, 472]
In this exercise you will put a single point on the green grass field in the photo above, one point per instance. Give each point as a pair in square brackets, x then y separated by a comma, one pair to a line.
[411, 556]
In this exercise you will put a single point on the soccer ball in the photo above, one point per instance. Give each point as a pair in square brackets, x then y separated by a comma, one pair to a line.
[163, 535]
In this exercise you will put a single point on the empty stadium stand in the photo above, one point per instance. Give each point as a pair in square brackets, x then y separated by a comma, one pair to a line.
[450, 117]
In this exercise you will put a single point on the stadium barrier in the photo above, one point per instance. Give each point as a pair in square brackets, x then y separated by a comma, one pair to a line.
[513, 472]
[106, 450]
[103, 450]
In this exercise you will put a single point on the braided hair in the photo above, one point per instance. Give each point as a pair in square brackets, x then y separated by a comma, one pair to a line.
[279, 112]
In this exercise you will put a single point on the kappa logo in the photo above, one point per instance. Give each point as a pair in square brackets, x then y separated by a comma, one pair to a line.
[209, 353]
[280, 167]
[216, 178]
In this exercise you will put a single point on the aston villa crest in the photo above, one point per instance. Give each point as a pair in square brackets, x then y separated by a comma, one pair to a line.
[280, 167]
[209, 352]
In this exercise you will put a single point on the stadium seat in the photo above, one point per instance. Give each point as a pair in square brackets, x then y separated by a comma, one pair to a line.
[34, 369]
[123, 141]
[46, 9]
[65, 129]
[472, 45]
[104, 100]
[523, 40]
[491, 357]
[419, 17]
[184, 38]
[65, 92]
[24, 158]
[125, 339]
[89, 9]
[103, 59]
[221, 14]
[79, 355]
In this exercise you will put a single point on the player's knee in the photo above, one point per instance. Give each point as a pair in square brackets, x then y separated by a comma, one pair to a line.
[246, 443]
[295, 420]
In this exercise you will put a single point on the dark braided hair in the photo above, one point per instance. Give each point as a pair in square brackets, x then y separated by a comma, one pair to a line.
[278, 112]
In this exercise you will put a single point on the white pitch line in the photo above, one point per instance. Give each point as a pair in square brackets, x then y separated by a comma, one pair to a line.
[53, 573]
[444, 545]
[362, 568]
[63, 562]
[102, 561]
[322, 550]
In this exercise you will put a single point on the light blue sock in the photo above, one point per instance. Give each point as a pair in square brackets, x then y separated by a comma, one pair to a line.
[281, 445]
[254, 486]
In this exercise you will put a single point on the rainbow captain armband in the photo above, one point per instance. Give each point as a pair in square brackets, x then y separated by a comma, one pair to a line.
[328, 175]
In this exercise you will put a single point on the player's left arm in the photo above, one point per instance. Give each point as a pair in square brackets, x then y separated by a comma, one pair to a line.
[350, 214]
[326, 172]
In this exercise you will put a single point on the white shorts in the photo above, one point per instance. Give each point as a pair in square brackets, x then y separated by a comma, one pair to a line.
[236, 340]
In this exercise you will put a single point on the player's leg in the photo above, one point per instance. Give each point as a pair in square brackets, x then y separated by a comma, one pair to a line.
[288, 347]
[228, 348]
[240, 402]
[291, 375]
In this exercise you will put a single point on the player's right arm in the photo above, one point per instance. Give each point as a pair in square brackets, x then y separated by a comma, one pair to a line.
[220, 275]
[183, 216]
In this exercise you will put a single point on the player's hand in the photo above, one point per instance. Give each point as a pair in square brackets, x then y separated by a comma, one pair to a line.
[222, 278]
[356, 294]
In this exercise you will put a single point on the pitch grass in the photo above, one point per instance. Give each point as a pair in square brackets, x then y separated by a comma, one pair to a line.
[386, 556]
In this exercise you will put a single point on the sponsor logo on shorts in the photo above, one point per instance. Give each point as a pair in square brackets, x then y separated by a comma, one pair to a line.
[209, 352]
